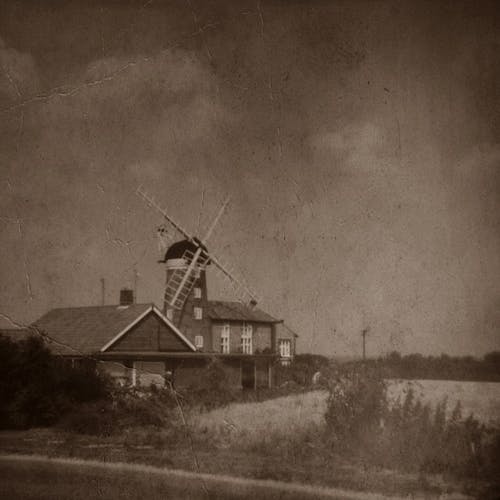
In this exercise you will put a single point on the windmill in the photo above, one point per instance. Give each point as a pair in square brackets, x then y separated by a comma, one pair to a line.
[195, 258]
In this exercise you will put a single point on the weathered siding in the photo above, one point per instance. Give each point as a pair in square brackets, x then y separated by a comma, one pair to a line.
[150, 334]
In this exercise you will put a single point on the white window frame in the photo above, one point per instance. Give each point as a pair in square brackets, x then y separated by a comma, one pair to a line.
[197, 292]
[285, 348]
[225, 346]
[198, 341]
[134, 375]
[198, 312]
[247, 338]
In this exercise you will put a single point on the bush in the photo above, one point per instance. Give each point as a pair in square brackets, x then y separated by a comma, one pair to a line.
[406, 435]
[97, 419]
[355, 406]
[302, 369]
[212, 391]
[37, 387]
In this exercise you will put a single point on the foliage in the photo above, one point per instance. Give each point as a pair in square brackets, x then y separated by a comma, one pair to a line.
[406, 435]
[212, 390]
[302, 369]
[356, 403]
[125, 408]
[37, 387]
[443, 367]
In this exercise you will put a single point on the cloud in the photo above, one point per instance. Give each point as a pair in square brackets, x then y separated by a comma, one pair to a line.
[357, 146]
[19, 75]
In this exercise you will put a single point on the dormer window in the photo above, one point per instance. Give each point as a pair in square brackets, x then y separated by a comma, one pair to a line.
[198, 313]
[197, 292]
[246, 338]
[198, 341]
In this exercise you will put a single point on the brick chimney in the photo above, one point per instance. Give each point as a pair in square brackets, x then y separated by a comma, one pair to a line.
[126, 297]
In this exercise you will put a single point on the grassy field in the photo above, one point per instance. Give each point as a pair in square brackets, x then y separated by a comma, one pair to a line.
[29, 478]
[299, 413]
[482, 399]
[278, 439]
[280, 417]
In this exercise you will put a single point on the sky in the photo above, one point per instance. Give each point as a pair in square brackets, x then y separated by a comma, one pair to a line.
[358, 141]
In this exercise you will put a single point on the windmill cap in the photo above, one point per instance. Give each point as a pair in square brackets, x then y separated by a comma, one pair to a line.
[177, 250]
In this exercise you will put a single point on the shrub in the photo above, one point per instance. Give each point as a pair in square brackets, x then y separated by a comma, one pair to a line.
[212, 391]
[96, 418]
[406, 435]
[37, 387]
[355, 406]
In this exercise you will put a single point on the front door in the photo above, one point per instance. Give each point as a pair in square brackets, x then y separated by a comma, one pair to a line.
[248, 374]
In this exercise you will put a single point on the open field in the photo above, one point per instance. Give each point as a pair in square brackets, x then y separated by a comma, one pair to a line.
[302, 412]
[278, 417]
[482, 399]
[26, 478]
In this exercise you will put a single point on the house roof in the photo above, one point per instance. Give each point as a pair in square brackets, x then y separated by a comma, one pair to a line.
[236, 311]
[290, 331]
[16, 334]
[87, 330]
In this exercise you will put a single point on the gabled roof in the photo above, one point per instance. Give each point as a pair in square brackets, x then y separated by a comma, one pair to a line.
[88, 330]
[236, 311]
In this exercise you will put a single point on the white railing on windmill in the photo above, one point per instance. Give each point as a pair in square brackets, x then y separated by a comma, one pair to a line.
[182, 280]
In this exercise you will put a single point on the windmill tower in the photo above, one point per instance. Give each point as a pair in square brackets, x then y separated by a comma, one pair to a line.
[186, 262]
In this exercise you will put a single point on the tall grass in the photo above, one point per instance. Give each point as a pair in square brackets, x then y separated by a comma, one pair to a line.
[363, 425]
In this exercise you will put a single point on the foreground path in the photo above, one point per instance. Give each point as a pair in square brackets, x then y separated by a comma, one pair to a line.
[35, 476]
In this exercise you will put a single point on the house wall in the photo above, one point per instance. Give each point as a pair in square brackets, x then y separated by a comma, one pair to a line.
[284, 333]
[262, 336]
[150, 334]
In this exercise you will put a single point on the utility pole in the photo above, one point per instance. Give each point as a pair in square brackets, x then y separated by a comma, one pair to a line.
[103, 291]
[363, 334]
[136, 279]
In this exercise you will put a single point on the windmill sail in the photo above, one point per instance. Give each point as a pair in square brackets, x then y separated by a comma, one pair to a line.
[182, 280]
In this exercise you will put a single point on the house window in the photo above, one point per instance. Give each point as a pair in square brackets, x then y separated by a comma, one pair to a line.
[246, 338]
[198, 313]
[170, 314]
[198, 341]
[285, 348]
[197, 293]
[224, 339]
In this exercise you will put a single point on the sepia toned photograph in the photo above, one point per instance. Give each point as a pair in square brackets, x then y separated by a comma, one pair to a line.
[249, 249]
